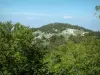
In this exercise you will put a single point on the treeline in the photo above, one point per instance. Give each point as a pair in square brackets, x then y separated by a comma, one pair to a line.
[60, 27]
[20, 54]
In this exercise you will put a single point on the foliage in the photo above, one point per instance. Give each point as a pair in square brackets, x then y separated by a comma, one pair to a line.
[50, 28]
[22, 54]
[18, 54]
[97, 8]
[79, 58]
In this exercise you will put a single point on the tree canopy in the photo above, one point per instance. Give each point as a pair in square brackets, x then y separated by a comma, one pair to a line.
[97, 8]
[22, 54]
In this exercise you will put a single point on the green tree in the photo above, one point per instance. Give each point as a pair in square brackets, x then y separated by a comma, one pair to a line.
[75, 58]
[18, 53]
[97, 8]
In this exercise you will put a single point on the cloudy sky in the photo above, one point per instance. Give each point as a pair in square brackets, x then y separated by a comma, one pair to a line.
[35, 13]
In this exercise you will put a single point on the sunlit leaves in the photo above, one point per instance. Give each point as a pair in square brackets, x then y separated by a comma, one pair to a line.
[18, 54]
[79, 58]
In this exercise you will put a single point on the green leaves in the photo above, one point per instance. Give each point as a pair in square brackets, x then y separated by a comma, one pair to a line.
[18, 54]
[79, 58]
[97, 8]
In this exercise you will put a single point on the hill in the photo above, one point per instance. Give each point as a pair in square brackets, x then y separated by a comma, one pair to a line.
[67, 51]
[59, 27]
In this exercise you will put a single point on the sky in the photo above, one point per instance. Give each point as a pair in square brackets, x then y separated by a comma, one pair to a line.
[36, 13]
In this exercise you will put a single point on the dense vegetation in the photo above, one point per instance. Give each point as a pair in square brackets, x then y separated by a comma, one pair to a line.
[59, 26]
[20, 54]
[79, 56]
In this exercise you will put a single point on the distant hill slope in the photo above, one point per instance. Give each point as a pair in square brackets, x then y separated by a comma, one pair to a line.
[59, 27]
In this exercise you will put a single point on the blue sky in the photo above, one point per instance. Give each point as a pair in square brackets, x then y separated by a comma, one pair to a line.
[35, 13]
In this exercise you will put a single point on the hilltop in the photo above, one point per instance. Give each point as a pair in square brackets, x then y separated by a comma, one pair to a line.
[58, 27]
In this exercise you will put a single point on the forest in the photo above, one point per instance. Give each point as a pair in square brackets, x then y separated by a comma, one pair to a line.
[21, 53]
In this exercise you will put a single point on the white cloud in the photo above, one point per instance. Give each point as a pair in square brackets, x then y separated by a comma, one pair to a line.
[32, 18]
[67, 17]
[27, 14]
[29, 18]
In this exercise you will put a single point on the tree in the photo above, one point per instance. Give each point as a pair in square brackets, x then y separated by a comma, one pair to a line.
[79, 58]
[97, 8]
[18, 53]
